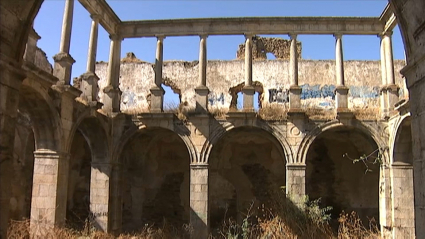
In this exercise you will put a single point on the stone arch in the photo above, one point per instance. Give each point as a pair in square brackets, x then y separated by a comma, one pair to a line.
[44, 117]
[155, 168]
[94, 132]
[401, 141]
[332, 175]
[370, 131]
[246, 165]
[221, 130]
[181, 131]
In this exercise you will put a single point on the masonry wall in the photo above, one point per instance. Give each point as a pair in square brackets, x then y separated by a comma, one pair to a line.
[316, 77]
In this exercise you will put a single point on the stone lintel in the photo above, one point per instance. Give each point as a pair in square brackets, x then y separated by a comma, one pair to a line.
[257, 25]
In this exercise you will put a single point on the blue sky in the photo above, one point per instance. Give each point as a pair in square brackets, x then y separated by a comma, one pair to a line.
[48, 24]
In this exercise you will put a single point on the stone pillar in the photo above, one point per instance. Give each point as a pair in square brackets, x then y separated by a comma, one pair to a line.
[63, 60]
[385, 201]
[383, 98]
[157, 92]
[199, 206]
[89, 85]
[295, 183]
[341, 89]
[403, 210]
[202, 90]
[99, 194]
[31, 47]
[49, 191]
[112, 96]
[115, 205]
[294, 88]
[10, 81]
[392, 88]
[248, 89]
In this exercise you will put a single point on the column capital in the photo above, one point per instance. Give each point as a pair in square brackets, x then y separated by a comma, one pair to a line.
[115, 37]
[95, 17]
[249, 35]
[293, 35]
[160, 37]
[338, 35]
[199, 166]
[203, 36]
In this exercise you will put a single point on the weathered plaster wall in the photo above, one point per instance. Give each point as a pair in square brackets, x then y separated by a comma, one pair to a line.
[316, 77]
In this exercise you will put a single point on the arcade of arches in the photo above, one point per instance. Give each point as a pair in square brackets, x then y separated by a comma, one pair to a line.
[64, 157]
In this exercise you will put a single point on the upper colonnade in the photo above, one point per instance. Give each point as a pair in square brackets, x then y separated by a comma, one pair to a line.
[118, 30]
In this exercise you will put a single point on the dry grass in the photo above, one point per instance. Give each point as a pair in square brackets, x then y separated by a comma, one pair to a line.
[320, 113]
[218, 113]
[273, 112]
[367, 113]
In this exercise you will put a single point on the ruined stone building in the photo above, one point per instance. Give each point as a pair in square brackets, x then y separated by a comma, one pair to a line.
[106, 148]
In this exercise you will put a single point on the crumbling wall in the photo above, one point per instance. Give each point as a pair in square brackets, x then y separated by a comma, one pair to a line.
[316, 77]
[279, 47]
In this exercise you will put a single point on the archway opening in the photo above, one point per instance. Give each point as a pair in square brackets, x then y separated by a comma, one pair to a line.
[78, 201]
[403, 144]
[155, 180]
[334, 175]
[22, 171]
[247, 165]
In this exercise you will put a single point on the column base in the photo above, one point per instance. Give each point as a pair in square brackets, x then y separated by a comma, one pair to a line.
[157, 99]
[111, 99]
[295, 99]
[89, 86]
[62, 67]
[201, 99]
[248, 98]
[341, 98]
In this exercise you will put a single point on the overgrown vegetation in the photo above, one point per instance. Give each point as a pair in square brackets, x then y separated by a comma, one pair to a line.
[281, 218]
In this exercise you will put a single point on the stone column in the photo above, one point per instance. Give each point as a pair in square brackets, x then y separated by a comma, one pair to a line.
[89, 85]
[403, 210]
[49, 192]
[31, 47]
[294, 88]
[99, 194]
[63, 60]
[383, 97]
[248, 89]
[112, 96]
[392, 88]
[157, 92]
[115, 208]
[385, 201]
[10, 81]
[199, 206]
[341, 89]
[295, 183]
[202, 90]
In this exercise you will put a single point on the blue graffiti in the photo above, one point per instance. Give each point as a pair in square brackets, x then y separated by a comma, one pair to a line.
[213, 99]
